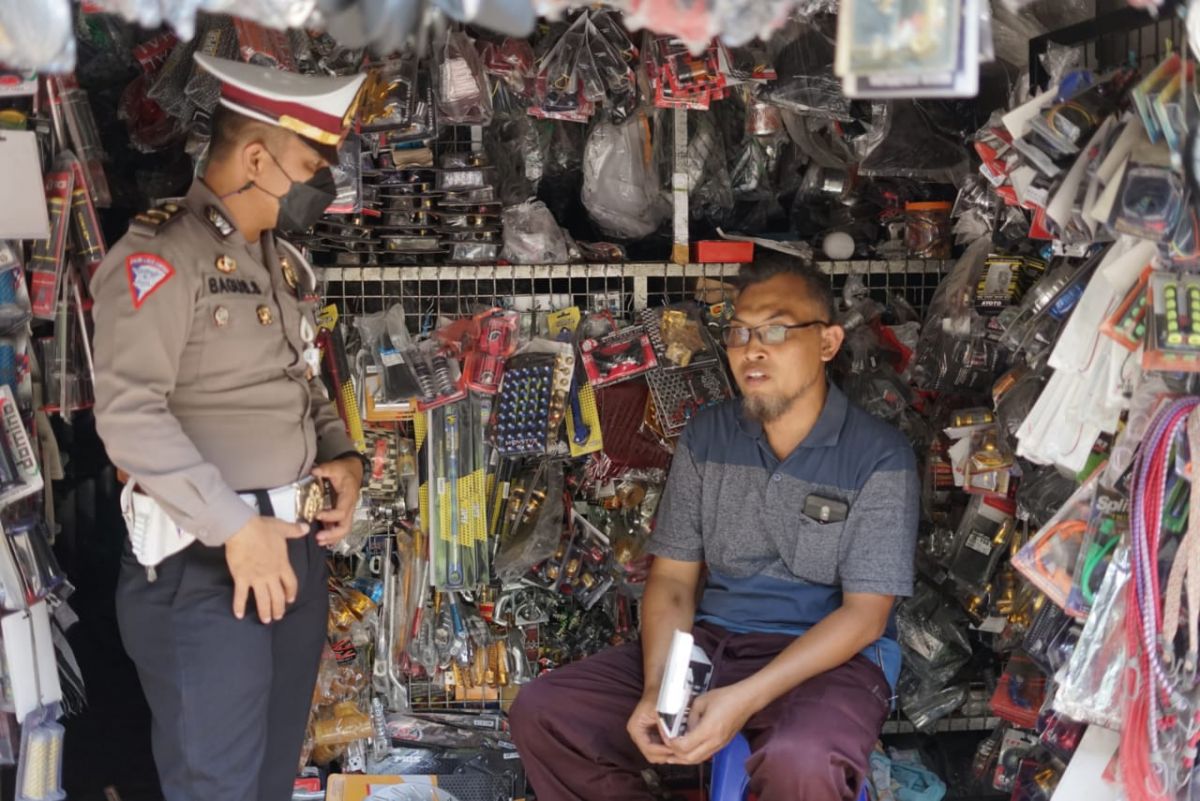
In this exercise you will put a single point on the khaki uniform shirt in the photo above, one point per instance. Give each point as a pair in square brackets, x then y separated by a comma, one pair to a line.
[202, 389]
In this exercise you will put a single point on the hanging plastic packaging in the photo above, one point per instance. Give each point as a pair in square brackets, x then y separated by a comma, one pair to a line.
[620, 179]
[1050, 557]
[532, 524]
[803, 58]
[461, 85]
[39, 769]
[1107, 525]
[1090, 686]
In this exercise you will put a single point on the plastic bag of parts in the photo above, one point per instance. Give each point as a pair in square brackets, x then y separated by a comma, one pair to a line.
[536, 540]
[710, 193]
[923, 707]
[818, 141]
[952, 307]
[531, 236]
[869, 380]
[1058, 60]
[750, 169]
[948, 353]
[903, 142]
[1017, 401]
[932, 638]
[1090, 686]
[461, 85]
[803, 56]
[513, 146]
[620, 180]
[37, 35]
[1043, 493]
[974, 210]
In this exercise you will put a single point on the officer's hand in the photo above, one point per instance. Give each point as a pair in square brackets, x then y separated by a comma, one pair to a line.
[346, 476]
[258, 561]
[643, 728]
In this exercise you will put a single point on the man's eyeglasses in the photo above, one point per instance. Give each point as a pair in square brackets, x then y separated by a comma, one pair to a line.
[738, 336]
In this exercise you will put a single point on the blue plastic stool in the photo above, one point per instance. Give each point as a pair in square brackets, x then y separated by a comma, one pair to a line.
[730, 782]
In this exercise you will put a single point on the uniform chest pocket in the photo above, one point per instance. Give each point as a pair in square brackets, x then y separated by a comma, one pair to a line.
[812, 552]
[235, 329]
[235, 316]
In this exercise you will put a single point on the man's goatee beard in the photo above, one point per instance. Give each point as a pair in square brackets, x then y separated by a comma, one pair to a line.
[767, 409]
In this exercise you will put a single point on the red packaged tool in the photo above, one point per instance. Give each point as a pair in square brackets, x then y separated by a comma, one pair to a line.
[49, 255]
[617, 357]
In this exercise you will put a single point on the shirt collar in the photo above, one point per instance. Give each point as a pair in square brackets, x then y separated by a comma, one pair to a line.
[825, 432]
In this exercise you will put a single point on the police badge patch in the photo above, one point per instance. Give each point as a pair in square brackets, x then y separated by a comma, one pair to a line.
[146, 273]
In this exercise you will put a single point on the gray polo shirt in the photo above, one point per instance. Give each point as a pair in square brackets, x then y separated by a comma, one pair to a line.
[730, 502]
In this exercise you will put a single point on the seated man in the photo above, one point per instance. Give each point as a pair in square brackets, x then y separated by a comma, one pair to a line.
[804, 509]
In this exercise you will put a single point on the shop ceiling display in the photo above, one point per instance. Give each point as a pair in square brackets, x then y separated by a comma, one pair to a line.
[38, 35]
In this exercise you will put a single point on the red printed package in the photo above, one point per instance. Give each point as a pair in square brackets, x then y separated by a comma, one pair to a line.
[617, 357]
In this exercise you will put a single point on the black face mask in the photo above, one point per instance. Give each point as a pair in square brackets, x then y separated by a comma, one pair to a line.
[303, 203]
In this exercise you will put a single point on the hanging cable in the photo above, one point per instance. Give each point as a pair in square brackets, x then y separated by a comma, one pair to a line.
[1160, 718]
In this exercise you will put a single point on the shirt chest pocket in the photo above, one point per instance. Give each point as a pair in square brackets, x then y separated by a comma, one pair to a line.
[810, 548]
[236, 330]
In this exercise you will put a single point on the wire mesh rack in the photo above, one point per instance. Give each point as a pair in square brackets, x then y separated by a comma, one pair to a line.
[425, 695]
[1126, 37]
[625, 288]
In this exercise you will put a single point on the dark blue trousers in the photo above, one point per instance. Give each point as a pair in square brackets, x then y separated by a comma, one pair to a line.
[229, 698]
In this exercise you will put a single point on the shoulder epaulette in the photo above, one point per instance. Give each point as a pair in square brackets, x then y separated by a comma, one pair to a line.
[150, 223]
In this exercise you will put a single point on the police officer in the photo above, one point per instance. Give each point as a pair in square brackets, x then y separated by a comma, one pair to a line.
[207, 397]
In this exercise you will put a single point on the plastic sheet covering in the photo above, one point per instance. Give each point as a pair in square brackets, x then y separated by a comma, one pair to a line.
[620, 180]
[1090, 685]
[803, 55]
[37, 35]
[904, 143]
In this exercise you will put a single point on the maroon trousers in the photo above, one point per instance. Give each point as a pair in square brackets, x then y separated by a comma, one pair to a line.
[812, 744]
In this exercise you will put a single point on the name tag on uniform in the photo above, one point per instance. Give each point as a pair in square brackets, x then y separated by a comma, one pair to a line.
[825, 510]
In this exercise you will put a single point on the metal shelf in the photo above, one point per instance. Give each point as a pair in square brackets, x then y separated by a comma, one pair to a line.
[624, 288]
[474, 272]
[950, 724]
